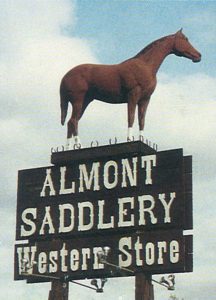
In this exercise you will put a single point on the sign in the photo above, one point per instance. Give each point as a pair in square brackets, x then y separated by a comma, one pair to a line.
[151, 252]
[105, 194]
[127, 197]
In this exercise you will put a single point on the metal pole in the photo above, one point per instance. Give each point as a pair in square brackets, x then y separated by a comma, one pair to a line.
[143, 287]
[59, 290]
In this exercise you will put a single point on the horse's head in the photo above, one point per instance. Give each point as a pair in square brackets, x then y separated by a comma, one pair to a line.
[182, 47]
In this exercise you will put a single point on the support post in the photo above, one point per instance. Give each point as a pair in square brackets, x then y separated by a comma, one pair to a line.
[59, 290]
[143, 287]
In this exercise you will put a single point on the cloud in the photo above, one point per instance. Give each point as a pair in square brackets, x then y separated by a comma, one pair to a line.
[23, 20]
[184, 111]
[35, 52]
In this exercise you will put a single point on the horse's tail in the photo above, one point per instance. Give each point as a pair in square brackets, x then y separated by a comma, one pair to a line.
[63, 105]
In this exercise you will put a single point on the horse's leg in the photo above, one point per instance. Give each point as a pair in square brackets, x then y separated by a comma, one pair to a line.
[78, 109]
[133, 98]
[142, 107]
[87, 101]
[72, 125]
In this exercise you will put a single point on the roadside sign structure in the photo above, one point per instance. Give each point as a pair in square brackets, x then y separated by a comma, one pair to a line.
[124, 197]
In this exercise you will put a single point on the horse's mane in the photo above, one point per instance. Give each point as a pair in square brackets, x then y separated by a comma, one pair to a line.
[151, 45]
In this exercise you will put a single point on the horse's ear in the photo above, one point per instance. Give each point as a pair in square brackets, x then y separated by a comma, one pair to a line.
[180, 31]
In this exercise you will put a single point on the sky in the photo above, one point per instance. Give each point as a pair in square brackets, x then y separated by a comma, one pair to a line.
[40, 42]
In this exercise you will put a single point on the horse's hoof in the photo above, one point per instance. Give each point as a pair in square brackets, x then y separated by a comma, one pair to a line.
[77, 146]
[130, 139]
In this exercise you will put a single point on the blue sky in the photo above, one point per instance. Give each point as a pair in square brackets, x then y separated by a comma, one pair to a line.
[119, 29]
[40, 42]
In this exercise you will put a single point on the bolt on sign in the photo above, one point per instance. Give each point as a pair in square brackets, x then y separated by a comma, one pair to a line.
[105, 194]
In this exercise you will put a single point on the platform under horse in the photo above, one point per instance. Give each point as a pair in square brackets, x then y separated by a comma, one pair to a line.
[133, 81]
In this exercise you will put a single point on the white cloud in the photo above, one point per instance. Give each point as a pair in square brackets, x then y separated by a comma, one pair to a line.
[34, 57]
[189, 111]
[184, 111]
[23, 20]
[35, 52]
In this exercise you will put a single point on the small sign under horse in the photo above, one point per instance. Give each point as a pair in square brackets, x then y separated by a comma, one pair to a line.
[132, 81]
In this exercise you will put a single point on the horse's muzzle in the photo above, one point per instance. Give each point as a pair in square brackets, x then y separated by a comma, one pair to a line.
[197, 58]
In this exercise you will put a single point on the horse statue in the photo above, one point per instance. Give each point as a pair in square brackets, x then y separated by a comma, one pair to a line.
[133, 81]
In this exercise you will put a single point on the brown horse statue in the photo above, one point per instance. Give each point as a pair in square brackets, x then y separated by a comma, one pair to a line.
[133, 81]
